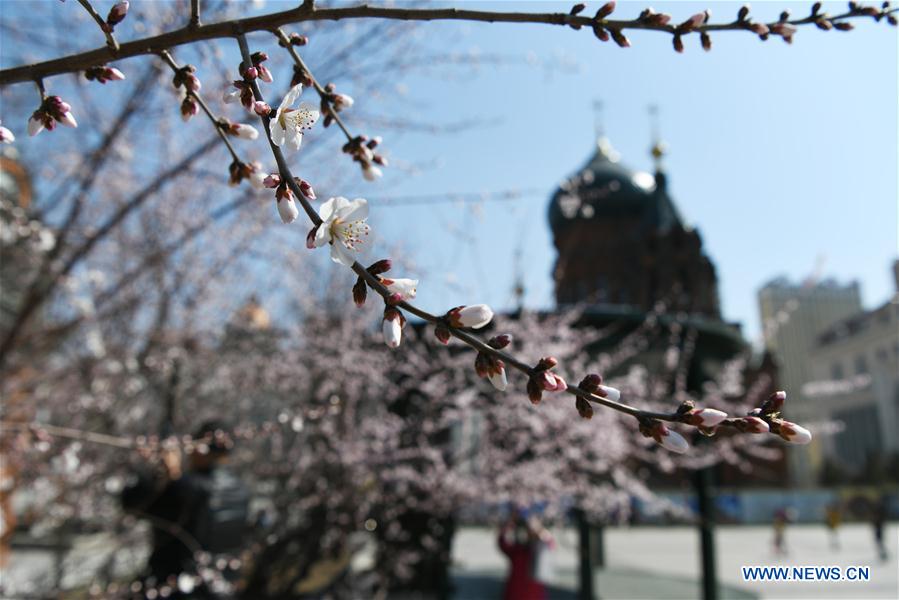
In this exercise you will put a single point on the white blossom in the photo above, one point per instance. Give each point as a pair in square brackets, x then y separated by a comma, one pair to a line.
[343, 227]
[288, 124]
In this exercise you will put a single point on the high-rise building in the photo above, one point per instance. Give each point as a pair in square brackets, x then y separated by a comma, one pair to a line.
[793, 316]
[855, 366]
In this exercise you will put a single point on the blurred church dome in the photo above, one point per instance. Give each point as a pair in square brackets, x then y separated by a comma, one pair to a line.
[604, 188]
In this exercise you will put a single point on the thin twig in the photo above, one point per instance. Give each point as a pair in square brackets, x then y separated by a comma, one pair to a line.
[225, 29]
[110, 39]
[167, 57]
[69, 433]
[194, 14]
[325, 96]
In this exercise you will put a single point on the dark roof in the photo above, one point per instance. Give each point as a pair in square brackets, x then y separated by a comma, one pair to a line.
[605, 188]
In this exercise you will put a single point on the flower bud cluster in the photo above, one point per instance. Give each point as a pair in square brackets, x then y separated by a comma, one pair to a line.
[543, 379]
[184, 77]
[665, 437]
[241, 130]
[243, 92]
[51, 111]
[360, 289]
[294, 39]
[257, 70]
[252, 172]
[301, 77]
[769, 414]
[489, 366]
[102, 74]
[361, 149]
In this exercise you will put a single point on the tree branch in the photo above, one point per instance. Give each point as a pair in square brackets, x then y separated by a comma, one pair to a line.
[194, 14]
[167, 57]
[468, 338]
[110, 39]
[307, 12]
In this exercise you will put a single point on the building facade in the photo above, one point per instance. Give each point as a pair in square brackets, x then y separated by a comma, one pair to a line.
[793, 316]
[855, 385]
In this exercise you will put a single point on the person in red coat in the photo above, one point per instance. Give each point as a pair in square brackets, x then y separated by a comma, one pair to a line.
[523, 541]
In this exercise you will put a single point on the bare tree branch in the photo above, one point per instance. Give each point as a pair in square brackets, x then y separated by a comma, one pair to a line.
[307, 12]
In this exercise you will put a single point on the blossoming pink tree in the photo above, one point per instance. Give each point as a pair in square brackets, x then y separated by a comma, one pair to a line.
[113, 303]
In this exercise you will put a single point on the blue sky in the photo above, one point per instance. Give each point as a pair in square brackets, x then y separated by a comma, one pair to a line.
[784, 156]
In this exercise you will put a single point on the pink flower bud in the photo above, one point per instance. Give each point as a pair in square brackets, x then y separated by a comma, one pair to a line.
[192, 82]
[500, 341]
[360, 291]
[117, 13]
[704, 417]
[475, 316]
[264, 74]
[381, 266]
[272, 181]
[600, 33]
[611, 393]
[287, 209]
[392, 327]
[753, 425]
[310, 237]
[189, 108]
[261, 108]
[6, 136]
[307, 190]
[774, 403]
[498, 378]
[583, 408]
[535, 392]
[620, 38]
[251, 73]
[672, 440]
[591, 383]
[442, 334]
[605, 10]
[405, 288]
[243, 131]
[759, 28]
[793, 433]
[341, 101]
[370, 172]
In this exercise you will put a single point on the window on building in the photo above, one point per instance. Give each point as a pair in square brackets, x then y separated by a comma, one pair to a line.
[836, 371]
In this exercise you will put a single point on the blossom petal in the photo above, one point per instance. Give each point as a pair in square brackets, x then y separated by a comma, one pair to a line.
[306, 116]
[277, 134]
[357, 210]
[291, 96]
[328, 207]
[295, 139]
[34, 126]
[341, 254]
[322, 236]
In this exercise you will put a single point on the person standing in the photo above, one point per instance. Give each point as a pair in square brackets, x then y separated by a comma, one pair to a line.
[202, 510]
[524, 541]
